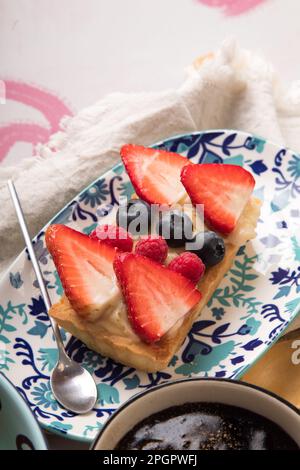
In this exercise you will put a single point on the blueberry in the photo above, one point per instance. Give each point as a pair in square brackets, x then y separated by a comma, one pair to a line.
[175, 227]
[209, 246]
[134, 216]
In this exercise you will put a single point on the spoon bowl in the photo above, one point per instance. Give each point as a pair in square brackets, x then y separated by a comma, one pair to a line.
[73, 386]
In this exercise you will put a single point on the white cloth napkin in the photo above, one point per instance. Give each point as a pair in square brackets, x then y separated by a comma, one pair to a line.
[233, 89]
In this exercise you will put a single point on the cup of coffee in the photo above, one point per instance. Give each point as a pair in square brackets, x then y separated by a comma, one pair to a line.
[198, 414]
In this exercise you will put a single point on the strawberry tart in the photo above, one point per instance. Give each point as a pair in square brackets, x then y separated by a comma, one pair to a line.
[134, 287]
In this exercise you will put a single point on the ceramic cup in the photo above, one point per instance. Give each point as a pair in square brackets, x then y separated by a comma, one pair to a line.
[19, 430]
[174, 393]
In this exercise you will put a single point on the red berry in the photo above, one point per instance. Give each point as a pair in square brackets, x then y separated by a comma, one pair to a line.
[153, 247]
[154, 174]
[156, 298]
[73, 254]
[189, 265]
[223, 189]
[113, 236]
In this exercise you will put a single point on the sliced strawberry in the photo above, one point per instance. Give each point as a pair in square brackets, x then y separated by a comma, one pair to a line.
[113, 236]
[156, 297]
[155, 174]
[85, 268]
[224, 190]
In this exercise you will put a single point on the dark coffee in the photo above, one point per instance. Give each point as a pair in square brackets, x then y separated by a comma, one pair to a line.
[206, 426]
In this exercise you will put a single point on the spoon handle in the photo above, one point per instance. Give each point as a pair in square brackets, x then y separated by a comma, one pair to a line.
[35, 263]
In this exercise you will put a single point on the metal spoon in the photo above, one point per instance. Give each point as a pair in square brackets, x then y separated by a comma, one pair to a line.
[72, 385]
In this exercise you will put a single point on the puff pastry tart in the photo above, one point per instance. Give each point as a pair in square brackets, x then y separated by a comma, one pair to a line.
[134, 298]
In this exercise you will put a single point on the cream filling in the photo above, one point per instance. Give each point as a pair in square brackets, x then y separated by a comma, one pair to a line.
[246, 226]
[115, 320]
[103, 290]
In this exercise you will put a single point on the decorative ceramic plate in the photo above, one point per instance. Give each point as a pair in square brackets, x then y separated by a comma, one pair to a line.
[253, 305]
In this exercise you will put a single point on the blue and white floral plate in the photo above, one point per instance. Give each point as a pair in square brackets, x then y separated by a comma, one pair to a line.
[253, 305]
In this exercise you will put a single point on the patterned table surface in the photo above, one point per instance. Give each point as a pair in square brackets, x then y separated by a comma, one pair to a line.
[59, 56]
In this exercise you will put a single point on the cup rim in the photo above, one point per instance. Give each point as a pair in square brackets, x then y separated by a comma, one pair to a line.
[195, 379]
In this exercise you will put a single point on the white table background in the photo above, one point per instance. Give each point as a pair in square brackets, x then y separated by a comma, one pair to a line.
[81, 50]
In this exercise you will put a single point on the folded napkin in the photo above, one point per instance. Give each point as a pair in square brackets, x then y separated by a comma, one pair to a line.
[232, 88]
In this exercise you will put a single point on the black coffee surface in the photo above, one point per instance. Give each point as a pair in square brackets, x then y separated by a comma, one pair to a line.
[206, 426]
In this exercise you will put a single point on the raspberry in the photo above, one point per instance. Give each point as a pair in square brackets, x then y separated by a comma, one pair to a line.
[189, 265]
[113, 236]
[155, 248]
